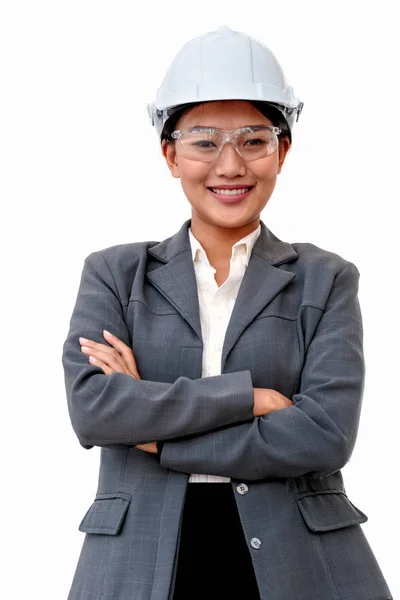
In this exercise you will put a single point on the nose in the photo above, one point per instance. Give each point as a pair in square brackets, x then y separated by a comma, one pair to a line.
[229, 162]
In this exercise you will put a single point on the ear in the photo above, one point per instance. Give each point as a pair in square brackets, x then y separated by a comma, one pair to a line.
[284, 147]
[169, 153]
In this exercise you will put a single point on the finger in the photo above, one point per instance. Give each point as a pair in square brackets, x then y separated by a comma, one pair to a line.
[108, 356]
[112, 360]
[124, 350]
[93, 344]
[151, 447]
[86, 342]
[122, 363]
[97, 363]
[116, 342]
[103, 347]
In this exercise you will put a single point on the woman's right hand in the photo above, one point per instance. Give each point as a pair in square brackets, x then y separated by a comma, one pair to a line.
[267, 400]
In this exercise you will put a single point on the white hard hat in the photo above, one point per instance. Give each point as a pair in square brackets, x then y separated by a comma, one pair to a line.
[223, 65]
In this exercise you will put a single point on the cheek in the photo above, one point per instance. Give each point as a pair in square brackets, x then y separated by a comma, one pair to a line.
[193, 173]
[266, 172]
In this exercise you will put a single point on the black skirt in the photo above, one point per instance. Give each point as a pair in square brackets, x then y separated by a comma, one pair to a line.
[214, 559]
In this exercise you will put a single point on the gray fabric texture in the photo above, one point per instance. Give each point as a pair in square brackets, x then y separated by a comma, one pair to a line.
[296, 327]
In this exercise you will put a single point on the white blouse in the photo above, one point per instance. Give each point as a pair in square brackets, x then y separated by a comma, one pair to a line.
[216, 305]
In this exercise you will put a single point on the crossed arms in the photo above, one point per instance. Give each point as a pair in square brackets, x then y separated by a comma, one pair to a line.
[218, 425]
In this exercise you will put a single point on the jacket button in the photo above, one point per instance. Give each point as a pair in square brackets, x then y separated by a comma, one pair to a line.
[242, 489]
[255, 543]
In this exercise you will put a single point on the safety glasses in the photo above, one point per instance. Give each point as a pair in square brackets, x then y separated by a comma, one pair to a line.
[205, 143]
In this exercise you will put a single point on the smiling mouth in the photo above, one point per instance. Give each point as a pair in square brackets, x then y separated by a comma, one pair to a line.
[231, 192]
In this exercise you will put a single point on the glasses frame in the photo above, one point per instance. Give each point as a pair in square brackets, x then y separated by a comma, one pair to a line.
[229, 135]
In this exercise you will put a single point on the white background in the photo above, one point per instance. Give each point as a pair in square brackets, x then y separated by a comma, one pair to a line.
[82, 170]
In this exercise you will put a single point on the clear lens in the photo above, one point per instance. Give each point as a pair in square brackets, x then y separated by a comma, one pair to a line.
[205, 144]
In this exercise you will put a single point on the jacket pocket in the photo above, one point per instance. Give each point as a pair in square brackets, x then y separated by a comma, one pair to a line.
[325, 511]
[107, 513]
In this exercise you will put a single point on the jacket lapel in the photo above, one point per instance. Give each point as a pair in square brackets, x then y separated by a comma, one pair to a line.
[262, 280]
[176, 279]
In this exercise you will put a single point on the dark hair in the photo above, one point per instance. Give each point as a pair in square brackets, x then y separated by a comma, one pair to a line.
[268, 110]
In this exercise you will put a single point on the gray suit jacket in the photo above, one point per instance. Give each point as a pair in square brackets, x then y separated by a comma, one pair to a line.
[296, 327]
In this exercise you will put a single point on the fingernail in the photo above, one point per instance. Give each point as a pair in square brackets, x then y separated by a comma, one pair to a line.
[83, 340]
[92, 359]
[106, 332]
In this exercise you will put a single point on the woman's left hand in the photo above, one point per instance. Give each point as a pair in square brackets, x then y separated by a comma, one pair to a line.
[117, 359]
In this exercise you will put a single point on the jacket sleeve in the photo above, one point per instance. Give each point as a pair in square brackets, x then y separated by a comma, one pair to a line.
[110, 410]
[318, 432]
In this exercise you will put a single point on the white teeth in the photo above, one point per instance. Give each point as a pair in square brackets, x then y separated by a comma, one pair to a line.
[230, 192]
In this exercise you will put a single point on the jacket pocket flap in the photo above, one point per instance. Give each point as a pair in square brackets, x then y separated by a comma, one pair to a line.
[328, 511]
[106, 514]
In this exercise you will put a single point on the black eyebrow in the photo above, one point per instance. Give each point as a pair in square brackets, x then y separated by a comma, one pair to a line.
[242, 127]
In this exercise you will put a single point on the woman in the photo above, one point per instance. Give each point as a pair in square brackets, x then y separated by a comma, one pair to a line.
[221, 370]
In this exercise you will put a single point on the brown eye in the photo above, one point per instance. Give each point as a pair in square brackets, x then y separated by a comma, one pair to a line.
[255, 142]
[204, 144]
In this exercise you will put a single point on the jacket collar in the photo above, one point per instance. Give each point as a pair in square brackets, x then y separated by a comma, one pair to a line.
[175, 279]
[248, 242]
[268, 246]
